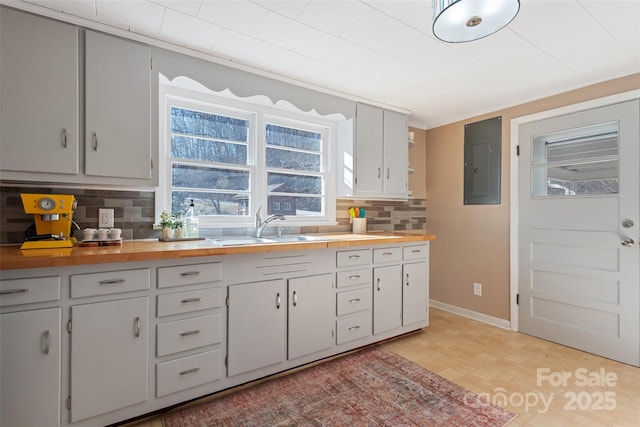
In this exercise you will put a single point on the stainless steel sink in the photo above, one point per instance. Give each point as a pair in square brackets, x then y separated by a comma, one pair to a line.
[240, 240]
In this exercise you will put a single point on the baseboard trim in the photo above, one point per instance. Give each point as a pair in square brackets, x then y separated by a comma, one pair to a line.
[480, 317]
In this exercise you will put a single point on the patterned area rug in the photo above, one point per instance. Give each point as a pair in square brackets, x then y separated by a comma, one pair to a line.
[373, 387]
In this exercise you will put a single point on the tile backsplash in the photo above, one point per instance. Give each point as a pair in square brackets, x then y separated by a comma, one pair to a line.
[133, 211]
[134, 214]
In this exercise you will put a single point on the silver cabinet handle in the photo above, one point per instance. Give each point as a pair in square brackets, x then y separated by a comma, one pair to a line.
[187, 333]
[387, 254]
[190, 273]
[14, 291]
[354, 277]
[278, 300]
[628, 242]
[295, 298]
[379, 172]
[353, 328]
[378, 283]
[387, 173]
[189, 371]
[354, 300]
[65, 143]
[186, 300]
[95, 141]
[46, 342]
[407, 279]
[416, 251]
[137, 327]
[111, 281]
[354, 256]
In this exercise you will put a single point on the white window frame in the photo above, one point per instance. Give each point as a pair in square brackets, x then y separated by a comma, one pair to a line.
[258, 115]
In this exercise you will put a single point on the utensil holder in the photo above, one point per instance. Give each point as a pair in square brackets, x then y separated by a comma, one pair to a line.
[359, 225]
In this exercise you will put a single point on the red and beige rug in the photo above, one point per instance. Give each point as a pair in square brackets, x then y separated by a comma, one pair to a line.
[373, 387]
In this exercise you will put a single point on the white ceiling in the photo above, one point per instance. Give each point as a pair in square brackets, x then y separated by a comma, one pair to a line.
[383, 52]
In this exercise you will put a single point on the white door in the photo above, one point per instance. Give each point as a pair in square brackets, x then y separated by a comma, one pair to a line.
[579, 219]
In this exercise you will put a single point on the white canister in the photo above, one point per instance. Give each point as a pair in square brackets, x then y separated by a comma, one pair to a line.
[103, 233]
[89, 233]
[114, 233]
[359, 225]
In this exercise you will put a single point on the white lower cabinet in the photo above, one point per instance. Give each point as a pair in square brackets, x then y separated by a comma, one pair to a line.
[109, 356]
[310, 315]
[387, 298]
[415, 293]
[30, 368]
[256, 331]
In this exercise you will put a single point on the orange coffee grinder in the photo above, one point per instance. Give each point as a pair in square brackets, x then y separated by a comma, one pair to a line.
[53, 217]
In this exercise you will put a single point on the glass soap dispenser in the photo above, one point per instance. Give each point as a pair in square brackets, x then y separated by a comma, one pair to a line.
[191, 220]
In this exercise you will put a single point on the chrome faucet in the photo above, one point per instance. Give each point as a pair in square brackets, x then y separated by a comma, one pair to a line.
[260, 225]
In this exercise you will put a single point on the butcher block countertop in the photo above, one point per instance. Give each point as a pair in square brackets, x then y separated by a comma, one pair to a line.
[12, 258]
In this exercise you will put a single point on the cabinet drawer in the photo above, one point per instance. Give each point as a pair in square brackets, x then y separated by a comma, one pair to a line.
[415, 252]
[387, 255]
[353, 278]
[181, 335]
[188, 372]
[182, 275]
[30, 290]
[349, 258]
[185, 302]
[109, 282]
[353, 328]
[353, 301]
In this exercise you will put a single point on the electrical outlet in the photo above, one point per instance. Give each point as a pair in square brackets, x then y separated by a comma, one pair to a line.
[477, 289]
[105, 218]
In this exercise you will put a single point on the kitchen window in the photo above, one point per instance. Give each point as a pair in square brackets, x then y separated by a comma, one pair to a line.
[231, 157]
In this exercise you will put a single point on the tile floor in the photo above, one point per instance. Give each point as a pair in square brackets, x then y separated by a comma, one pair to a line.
[546, 384]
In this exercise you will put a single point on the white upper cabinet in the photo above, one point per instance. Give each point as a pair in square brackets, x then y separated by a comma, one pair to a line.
[39, 112]
[381, 153]
[118, 107]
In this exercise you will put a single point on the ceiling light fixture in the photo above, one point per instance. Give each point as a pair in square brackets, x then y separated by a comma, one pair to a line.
[457, 21]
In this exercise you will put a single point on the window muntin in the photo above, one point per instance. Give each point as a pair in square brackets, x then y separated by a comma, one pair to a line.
[579, 162]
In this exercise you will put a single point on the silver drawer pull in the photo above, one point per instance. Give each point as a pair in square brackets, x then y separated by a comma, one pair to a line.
[278, 300]
[187, 333]
[387, 253]
[46, 342]
[137, 327]
[65, 142]
[111, 281]
[354, 300]
[295, 298]
[353, 328]
[189, 371]
[407, 279]
[378, 284]
[191, 300]
[354, 277]
[14, 291]
[190, 273]
[354, 256]
[416, 251]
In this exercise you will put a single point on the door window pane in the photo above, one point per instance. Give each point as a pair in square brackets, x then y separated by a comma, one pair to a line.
[578, 162]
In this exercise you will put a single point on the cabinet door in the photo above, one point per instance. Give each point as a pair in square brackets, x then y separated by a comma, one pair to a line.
[310, 314]
[30, 368]
[396, 164]
[369, 151]
[109, 356]
[257, 325]
[387, 298]
[415, 293]
[118, 107]
[39, 84]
